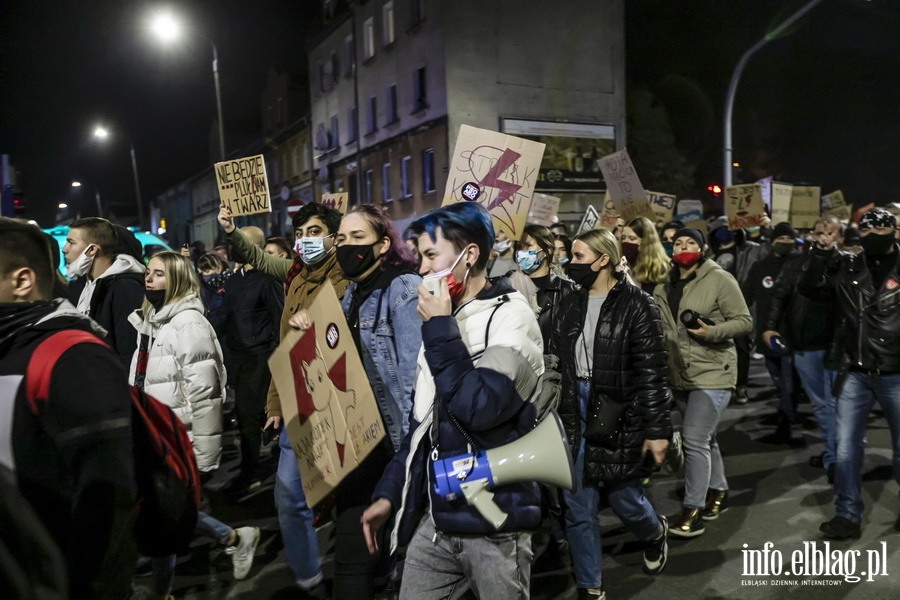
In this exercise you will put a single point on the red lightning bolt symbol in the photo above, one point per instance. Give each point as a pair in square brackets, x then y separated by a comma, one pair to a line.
[507, 189]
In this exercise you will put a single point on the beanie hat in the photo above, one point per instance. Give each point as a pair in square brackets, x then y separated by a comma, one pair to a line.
[694, 234]
[723, 235]
[851, 236]
[783, 228]
[128, 243]
[877, 217]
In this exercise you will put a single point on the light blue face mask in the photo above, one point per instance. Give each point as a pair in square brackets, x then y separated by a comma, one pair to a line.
[563, 261]
[528, 261]
[311, 249]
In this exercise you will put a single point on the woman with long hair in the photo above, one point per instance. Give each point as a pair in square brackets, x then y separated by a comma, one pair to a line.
[609, 341]
[178, 361]
[380, 305]
[645, 253]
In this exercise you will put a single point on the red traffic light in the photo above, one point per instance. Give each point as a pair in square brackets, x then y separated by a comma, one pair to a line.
[714, 189]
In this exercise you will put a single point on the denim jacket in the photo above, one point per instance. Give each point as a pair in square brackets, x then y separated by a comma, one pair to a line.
[390, 344]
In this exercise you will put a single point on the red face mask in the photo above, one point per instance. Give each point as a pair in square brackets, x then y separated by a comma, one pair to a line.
[687, 259]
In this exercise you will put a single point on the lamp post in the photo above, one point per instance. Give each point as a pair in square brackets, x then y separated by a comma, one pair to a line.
[77, 184]
[102, 133]
[168, 29]
[736, 76]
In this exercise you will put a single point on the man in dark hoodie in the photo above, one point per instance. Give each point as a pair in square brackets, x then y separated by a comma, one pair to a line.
[105, 259]
[72, 460]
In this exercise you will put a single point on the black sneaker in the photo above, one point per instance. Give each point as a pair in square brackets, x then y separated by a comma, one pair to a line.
[817, 461]
[840, 528]
[590, 594]
[688, 524]
[657, 552]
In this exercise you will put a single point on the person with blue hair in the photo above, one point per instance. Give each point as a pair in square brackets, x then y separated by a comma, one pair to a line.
[482, 359]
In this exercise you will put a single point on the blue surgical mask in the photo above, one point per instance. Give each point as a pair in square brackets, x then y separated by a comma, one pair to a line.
[668, 248]
[563, 261]
[311, 249]
[528, 261]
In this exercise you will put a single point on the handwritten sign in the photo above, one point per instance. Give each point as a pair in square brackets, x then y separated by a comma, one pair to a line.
[805, 206]
[834, 205]
[663, 206]
[589, 221]
[625, 187]
[688, 211]
[781, 202]
[744, 206]
[336, 201]
[243, 186]
[504, 166]
[327, 405]
[609, 218]
[543, 209]
[765, 185]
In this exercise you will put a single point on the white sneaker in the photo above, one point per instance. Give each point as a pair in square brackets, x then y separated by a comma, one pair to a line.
[242, 553]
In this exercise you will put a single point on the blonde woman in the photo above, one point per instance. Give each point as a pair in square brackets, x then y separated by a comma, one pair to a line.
[178, 361]
[645, 253]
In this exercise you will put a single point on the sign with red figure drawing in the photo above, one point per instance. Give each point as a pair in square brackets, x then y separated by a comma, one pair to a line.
[327, 404]
[744, 206]
[505, 167]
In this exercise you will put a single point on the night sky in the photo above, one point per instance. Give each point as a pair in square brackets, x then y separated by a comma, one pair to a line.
[819, 105]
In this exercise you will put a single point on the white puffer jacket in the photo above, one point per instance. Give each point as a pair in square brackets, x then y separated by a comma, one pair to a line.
[185, 371]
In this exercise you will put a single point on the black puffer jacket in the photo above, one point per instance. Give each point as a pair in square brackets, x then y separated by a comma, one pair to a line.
[868, 334]
[549, 300]
[629, 366]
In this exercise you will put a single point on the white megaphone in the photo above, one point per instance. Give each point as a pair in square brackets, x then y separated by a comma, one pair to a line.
[541, 455]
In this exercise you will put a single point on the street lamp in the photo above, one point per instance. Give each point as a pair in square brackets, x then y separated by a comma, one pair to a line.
[736, 76]
[167, 29]
[77, 184]
[101, 133]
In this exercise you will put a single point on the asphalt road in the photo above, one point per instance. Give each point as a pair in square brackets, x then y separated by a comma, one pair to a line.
[775, 497]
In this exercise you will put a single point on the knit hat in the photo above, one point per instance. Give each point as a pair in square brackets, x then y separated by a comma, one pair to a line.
[128, 243]
[877, 217]
[851, 236]
[694, 234]
[784, 228]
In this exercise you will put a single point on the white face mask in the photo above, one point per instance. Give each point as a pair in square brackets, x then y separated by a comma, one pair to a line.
[81, 265]
[432, 282]
[311, 249]
[501, 247]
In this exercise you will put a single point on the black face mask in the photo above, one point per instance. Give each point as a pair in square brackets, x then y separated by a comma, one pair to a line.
[355, 260]
[583, 274]
[876, 244]
[782, 248]
[156, 298]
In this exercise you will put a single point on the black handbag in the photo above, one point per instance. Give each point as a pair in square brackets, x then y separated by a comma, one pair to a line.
[604, 422]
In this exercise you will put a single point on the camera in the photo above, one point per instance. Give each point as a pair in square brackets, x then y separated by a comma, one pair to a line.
[692, 319]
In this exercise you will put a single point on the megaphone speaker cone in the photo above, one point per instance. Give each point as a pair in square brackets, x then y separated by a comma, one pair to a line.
[541, 455]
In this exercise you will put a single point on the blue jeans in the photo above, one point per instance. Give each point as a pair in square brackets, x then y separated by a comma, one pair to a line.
[853, 406]
[582, 527]
[301, 547]
[817, 382]
[703, 466]
[781, 369]
[164, 566]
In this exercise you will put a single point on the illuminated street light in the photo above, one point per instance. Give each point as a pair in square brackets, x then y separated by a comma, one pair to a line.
[102, 133]
[76, 184]
[735, 165]
[167, 29]
[63, 205]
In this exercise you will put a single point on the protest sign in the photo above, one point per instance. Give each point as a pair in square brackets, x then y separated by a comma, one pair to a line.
[327, 405]
[625, 187]
[506, 169]
[699, 225]
[590, 220]
[765, 185]
[243, 186]
[804, 206]
[834, 205]
[609, 218]
[781, 202]
[859, 212]
[337, 201]
[663, 206]
[744, 206]
[543, 209]
[688, 211]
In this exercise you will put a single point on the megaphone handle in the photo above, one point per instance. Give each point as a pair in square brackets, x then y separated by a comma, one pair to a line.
[482, 499]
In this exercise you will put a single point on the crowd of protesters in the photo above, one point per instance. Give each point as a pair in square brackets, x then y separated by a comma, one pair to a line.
[457, 327]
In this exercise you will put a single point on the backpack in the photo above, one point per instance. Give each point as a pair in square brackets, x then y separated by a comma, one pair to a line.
[168, 482]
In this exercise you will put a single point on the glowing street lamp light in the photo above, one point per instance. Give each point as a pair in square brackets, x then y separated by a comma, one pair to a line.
[63, 205]
[167, 29]
[76, 184]
[102, 133]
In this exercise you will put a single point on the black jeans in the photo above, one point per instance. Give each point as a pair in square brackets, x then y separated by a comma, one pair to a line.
[252, 379]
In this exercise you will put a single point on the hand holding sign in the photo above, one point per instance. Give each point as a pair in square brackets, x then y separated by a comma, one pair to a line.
[225, 218]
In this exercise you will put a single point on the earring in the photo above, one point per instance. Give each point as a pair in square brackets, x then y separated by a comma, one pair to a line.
[468, 265]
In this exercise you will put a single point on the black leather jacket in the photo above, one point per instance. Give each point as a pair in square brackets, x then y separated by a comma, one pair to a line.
[629, 366]
[549, 300]
[868, 334]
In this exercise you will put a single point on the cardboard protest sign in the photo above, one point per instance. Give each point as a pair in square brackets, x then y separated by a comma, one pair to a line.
[663, 206]
[744, 206]
[781, 202]
[699, 225]
[688, 211]
[243, 186]
[327, 405]
[833, 204]
[337, 201]
[859, 212]
[590, 220]
[609, 218]
[625, 187]
[766, 187]
[805, 206]
[506, 169]
[543, 209]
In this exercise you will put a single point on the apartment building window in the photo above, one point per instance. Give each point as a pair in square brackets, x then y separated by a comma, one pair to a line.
[427, 170]
[307, 160]
[348, 59]
[295, 162]
[335, 134]
[416, 12]
[367, 186]
[386, 182]
[387, 20]
[372, 120]
[392, 104]
[369, 38]
[405, 177]
[335, 68]
[352, 125]
[420, 90]
[324, 76]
